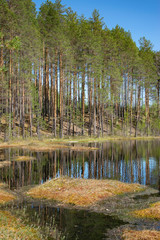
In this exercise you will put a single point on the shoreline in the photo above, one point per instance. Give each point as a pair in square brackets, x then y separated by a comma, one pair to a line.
[47, 144]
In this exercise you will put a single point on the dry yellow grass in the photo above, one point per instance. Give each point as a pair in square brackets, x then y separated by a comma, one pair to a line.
[12, 228]
[141, 235]
[4, 164]
[45, 146]
[81, 192]
[5, 196]
[151, 212]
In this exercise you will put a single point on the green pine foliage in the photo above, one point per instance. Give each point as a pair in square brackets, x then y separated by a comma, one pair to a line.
[73, 75]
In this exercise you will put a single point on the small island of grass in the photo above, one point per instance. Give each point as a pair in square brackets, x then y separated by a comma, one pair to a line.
[81, 192]
[152, 212]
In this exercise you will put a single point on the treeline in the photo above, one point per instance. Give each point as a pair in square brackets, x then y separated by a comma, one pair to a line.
[64, 72]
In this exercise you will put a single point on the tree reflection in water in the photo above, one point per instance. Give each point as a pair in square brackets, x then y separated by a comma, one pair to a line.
[127, 161]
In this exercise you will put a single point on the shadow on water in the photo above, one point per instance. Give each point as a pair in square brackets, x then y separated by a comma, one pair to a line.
[73, 224]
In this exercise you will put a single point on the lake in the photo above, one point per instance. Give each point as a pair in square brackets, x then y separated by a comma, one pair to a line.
[133, 161]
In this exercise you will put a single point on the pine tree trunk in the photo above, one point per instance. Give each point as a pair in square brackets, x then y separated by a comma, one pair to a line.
[55, 94]
[40, 86]
[94, 109]
[138, 109]
[70, 106]
[47, 97]
[10, 91]
[44, 83]
[74, 99]
[52, 93]
[83, 97]
[102, 107]
[1, 76]
[131, 105]
[99, 111]
[158, 105]
[30, 115]
[90, 105]
[61, 96]
[147, 108]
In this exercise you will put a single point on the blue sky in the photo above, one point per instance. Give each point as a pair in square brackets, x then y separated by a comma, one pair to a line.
[140, 17]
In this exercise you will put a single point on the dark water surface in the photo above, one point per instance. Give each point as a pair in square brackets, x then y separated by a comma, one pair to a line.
[73, 224]
[127, 161]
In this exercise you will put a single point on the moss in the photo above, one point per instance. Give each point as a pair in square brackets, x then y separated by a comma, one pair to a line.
[81, 192]
[141, 235]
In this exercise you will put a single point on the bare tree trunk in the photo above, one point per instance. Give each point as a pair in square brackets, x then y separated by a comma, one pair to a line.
[61, 96]
[138, 109]
[83, 97]
[147, 108]
[47, 97]
[52, 93]
[30, 115]
[44, 82]
[40, 86]
[94, 109]
[102, 107]
[10, 91]
[55, 94]
[70, 106]
[74, 99]
[99, 111]
[90, 105]
[131, 105]
[158, 105]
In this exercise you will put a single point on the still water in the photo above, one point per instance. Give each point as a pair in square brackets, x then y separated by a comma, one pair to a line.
[127, 161]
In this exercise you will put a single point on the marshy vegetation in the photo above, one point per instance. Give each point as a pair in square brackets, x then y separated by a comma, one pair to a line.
[141, 235]
[81, 192]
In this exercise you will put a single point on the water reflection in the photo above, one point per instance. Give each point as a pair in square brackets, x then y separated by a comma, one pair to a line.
[73, 224]
[127, 161]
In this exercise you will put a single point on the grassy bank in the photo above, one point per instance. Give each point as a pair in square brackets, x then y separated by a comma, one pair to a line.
[141, 235]
[152, 212]
[43, 145]
[81, 192]
[5, 195]
[50, 144]
[11, 228]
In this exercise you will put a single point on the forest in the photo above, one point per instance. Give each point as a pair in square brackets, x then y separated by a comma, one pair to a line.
[65, 75]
